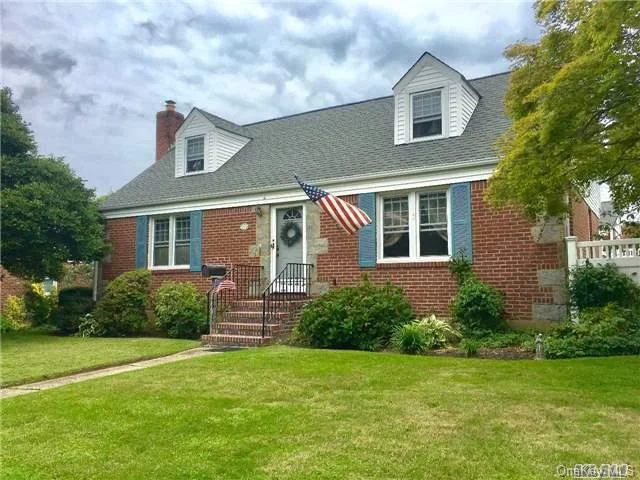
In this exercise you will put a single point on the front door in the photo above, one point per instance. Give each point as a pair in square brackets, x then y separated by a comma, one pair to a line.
[289, 240]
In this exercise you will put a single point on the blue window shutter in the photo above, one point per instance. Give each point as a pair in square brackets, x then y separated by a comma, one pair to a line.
[367, 235]
[195, 246]
[142, 234]
[462, 240]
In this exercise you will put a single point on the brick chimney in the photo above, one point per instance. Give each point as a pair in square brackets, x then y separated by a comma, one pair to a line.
[167, 123]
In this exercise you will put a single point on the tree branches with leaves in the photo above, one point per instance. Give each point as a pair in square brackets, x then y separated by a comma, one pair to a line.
[49, 217]
[574, 98]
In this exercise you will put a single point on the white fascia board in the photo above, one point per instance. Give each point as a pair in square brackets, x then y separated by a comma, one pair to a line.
[446, 175]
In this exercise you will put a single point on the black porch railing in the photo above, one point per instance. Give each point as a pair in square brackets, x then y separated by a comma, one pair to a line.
[248, 281]
[292, 283]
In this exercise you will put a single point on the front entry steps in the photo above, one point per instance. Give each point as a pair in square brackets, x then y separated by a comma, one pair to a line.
[241, 325]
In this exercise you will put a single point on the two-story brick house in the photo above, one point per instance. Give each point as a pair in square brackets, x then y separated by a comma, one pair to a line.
[416, 161]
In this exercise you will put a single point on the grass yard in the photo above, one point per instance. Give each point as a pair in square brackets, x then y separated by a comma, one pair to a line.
[30, 356]
[287, 413]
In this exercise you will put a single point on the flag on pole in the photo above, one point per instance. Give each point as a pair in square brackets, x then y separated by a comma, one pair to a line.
[349, 217]
[224, 285]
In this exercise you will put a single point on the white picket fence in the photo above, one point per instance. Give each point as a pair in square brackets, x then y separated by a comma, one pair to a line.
[624, 253]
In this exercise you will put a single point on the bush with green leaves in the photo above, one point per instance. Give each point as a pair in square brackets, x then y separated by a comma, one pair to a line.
[477, 307]
[470, 346]
[40, 306]
[598, 285]
[460, 269]
[90, 327]
[14, 315]
[73, 304]
[599, 331]
[180, 310]
[362, 317]
[422, 335]
[122, 310]
[410, 338]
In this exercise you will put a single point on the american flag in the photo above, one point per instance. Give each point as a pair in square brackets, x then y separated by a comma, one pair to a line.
[346, 215]
[224, 285]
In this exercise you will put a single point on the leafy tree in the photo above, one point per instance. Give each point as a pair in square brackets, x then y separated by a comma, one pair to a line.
[48, 215]
[574, 99]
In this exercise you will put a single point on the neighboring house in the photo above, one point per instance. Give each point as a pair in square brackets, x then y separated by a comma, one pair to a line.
[610, 221]
[10, 285]
[416, 161]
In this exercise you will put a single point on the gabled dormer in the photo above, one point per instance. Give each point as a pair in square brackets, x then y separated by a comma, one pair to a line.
[204, 142]
[432, 101]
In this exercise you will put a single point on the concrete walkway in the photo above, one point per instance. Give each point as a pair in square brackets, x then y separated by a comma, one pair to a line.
[103, 372]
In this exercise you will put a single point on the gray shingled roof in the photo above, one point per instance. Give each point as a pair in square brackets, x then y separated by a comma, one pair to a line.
[333, 143]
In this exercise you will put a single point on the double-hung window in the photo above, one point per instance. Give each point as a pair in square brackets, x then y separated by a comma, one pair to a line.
[426, 114]
[195, 154]
[414, 226]
[170, 241]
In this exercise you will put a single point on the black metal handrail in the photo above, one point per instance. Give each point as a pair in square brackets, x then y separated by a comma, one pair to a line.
[248, 281]
[292, 283]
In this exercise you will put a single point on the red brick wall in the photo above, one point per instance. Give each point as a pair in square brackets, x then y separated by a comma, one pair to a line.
[10, 285]
[583, 221]
[505, 255]
[222, 242]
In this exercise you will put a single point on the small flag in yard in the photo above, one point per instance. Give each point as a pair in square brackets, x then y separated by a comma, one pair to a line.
[224, 285]
[348, 217]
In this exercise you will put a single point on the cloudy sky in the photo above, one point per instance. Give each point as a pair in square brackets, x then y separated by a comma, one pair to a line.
[90, 76]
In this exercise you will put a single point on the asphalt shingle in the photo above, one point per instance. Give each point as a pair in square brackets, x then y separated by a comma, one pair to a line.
[333, 143]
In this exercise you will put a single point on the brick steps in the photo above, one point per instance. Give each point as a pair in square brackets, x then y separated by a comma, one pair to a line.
[235, 340]
[252, 317]
[229, 328]
[241, 325]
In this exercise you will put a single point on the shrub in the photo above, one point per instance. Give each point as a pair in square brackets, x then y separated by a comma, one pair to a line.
[73, 304]
[609, 330]
[122, 309]
[477, 307]
[410, 338]
[470, 346]
[597, 285]
[460, 269]
[40, 307]
[180, 310]
[90, 327]
[14, 315]
[439, 333]
[421, 335]
[361, 317]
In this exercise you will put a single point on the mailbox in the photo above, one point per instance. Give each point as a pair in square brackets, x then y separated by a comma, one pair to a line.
[213, 271]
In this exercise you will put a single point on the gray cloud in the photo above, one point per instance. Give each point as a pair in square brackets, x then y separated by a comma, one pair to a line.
[93, 97]
[44, 64]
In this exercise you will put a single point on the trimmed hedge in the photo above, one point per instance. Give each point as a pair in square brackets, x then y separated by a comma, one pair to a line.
[362, 317]
[180, 310]
[122, 310]
[73, 304]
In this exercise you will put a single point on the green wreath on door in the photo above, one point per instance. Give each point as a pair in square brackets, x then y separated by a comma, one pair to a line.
[290, 233]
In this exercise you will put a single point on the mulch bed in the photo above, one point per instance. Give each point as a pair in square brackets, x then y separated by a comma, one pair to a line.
[510, 353]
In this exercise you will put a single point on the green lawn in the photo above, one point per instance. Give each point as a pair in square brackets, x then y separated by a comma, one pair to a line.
[32, 356]
[286, 413]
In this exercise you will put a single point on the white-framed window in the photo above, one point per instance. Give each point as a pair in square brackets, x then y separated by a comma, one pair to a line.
[426, 114]
[414, 226]
[169, 241]
[194, 148]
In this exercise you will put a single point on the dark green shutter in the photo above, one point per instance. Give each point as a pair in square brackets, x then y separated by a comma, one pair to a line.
[195, 247]
[462, 241]
[142, 235]
[367, 255]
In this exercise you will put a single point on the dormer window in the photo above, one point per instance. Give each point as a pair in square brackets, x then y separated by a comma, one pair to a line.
[427, 114]
[195, 154]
